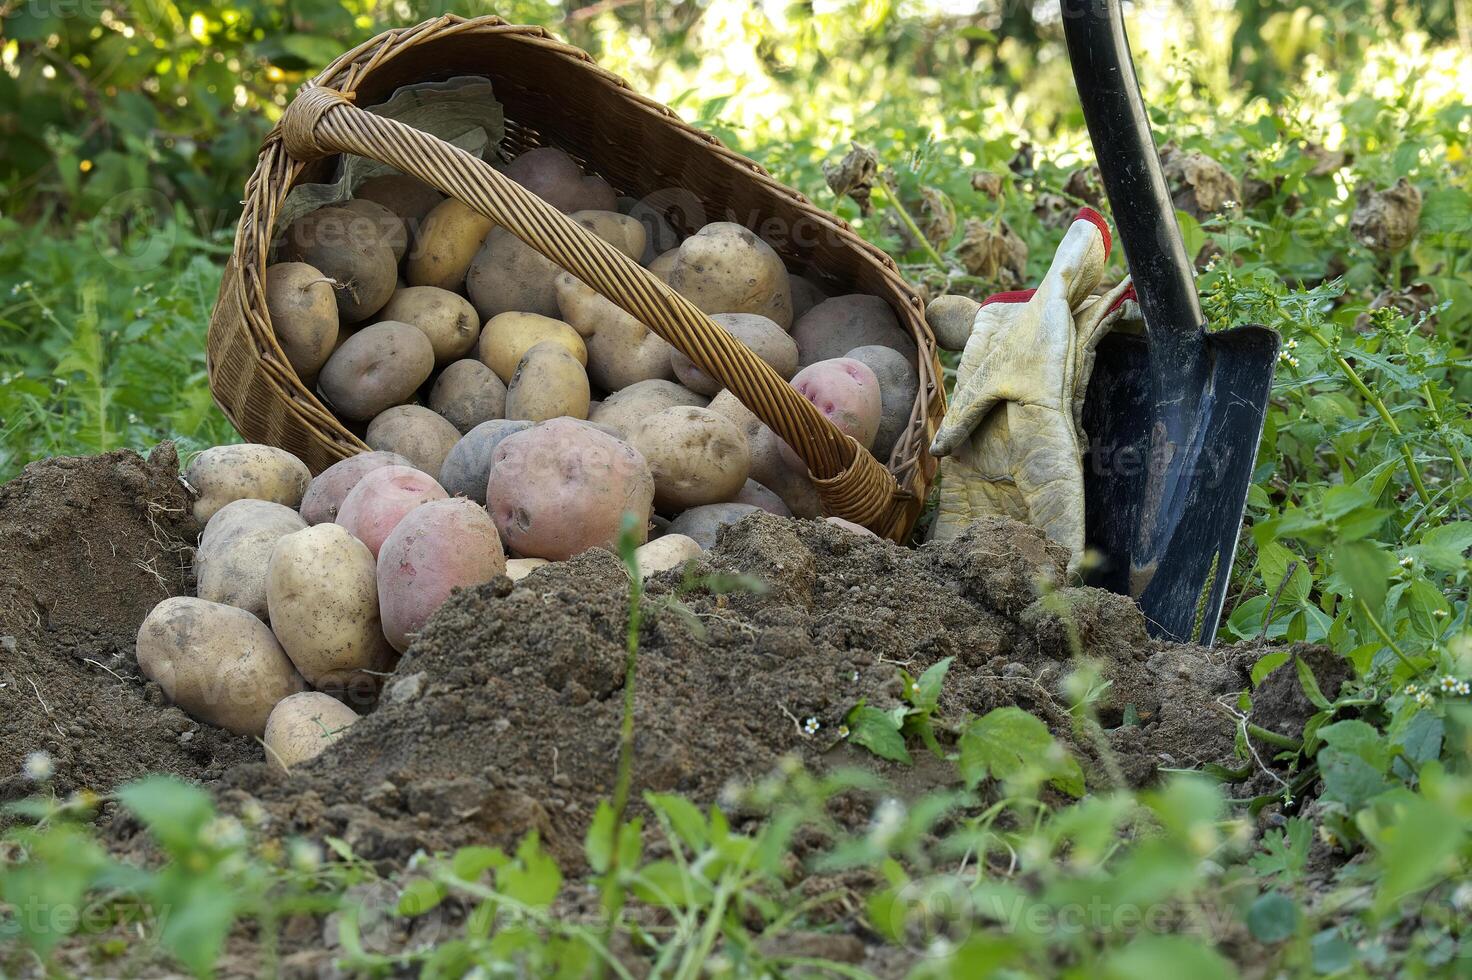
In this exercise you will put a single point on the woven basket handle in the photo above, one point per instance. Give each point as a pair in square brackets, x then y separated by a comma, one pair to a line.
[851, 483]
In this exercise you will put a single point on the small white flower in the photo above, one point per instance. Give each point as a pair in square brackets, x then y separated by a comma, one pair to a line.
[1439, 613]
[1411, 689]
[1463, 688]
[915, 687]
[843, 731]
[1407, 561]
[1424, 699]
[810, 726]
[1448, 684]
[305, 856]
[855, 677]
[38, 767]
[1291, 345]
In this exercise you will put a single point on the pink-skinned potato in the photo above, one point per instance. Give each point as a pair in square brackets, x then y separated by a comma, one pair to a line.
[846, 391]
[218, 663]
[564, 486]
[437, 547]
[327, 490]
[381, 499]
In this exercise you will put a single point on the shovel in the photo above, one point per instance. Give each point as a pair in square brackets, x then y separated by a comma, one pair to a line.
[1174, 417]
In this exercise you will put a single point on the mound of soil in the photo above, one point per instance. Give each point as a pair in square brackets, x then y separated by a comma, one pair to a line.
[504, 715]
[90, 545]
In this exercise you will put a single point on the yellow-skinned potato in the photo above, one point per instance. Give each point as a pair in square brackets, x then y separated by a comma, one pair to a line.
[695, 455]
[446, 318]
[468, 393]
[345, 247]
[509, 276]
[247, 471]
[548, 383]
[218, 663]
[726, 268]
[303, 312]
[666, 552]
[376, 368]
[625, 408]
[508, 336]
[420, 435]
[302, 726]
[663, 265]
[230, 562]
[322, 596]
[519, 568]
[388, 225]
[621, 350]
[447, 240]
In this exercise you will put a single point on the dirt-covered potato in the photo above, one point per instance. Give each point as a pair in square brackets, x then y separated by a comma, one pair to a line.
[725, 268]
[468, 393]
[838, 325]
[408, 197]
[621, 350]
[557, 179]
[695, 455]
[442, 545]
[389, 227]
[665, 552]
[219, 663]
[247, 471]
[853, 528]
[509, 276]
[323, 603]
[376, 368]
[519, 568]
[769, 458]
[703, 524]
[625, 407]
[468, 466]
[326, 491]
[420, 435]
[765, 339]
[302, 726]
[847, 393]
[446, 241]
[562, 487]
[381, 499]
[230, 562]
[344, 246]
[303, 311]
[950, 318]
[663, 264]
[548, 383]
[899, 384]
[446, 318]
[757, 495]
[508, 336]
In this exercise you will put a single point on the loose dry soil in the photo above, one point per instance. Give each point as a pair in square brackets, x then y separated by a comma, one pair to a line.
[504, 714]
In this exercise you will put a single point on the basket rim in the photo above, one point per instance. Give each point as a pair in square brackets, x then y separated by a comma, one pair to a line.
[277, 173]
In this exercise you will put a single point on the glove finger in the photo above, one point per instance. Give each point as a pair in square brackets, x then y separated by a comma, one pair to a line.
[961, 420]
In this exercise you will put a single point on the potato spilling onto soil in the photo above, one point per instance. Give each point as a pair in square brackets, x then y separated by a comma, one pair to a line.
[376, 368]
[322, 595]
[327, 490]
[230, 562]
[302, 726]
[664, 553]
[219, 663]
[381, 499]
[303, 310]
[347, 248]
[562, 487]
[443, 545]
[247, 471]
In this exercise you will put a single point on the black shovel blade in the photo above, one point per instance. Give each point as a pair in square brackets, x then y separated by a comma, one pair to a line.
[1166, 479]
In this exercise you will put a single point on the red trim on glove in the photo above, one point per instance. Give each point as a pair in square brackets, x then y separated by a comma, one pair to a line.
[1128, 294]
[1015, 296]
[1089, 214]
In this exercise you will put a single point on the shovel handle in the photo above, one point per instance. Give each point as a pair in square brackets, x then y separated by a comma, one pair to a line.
[1144, 214]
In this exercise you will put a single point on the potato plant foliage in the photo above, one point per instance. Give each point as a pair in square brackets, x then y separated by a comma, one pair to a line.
[1318, 152]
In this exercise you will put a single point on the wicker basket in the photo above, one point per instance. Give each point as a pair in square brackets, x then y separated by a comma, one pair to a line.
[554, 94]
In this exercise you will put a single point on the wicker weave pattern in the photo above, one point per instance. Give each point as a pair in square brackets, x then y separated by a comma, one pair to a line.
[258, 390]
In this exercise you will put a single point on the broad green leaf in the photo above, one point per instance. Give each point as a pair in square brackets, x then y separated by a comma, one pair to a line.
[1008, 742]
[598, 841]
[533, 878]
[1272, 918]
[202, 910]
[877, 731]
[1273, 562]
[1444, 547]
[685, 817]
[931, 682]
[1310, 684]
[420, 895]
[1366, 568]
[1348, 778]
[173, 811]
[469, 863]
[1426, 609]
[1332, 953]
[1166, 956]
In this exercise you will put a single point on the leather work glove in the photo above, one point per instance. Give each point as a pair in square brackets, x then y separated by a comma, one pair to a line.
[1012, 438]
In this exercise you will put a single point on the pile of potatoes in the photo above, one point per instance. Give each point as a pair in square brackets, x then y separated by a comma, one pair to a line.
[436, 334]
